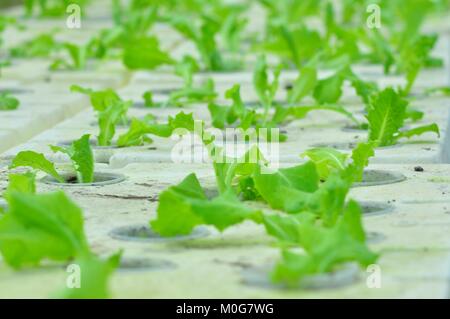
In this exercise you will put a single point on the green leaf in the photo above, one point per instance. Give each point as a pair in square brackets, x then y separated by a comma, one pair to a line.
[184, 206]
[138, 131]
[300, 112]
[386, 114]
[174, 214]
[360, 156]
[41, 226]
[419, 131]
[80, 152]
[100, 100]
[329, 90]
[289, 189]
[265, 90]
[136, 134]
[22, 183]
[204, 93]
[224, 211]
[8, 102]
[286, 228]
[36, 161]
[186, 69]
[145, 53]
[95, 275]
[41, 46]
[108, 119]
[326, 248]
[148, 99]
[327, 160]
[218, 114]
[303, 85]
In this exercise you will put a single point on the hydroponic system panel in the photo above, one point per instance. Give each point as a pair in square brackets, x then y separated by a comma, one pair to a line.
[225, 149]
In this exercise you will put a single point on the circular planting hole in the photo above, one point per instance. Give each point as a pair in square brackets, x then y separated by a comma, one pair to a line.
[145, 264]
[100, 179]
[343, 276]
[375, 208]
[144, 233]
[380, 177]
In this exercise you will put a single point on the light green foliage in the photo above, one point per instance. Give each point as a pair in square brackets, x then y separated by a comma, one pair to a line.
[82, 157]
[386, 116]
[8, 102]
[145, 53]
[36, 161]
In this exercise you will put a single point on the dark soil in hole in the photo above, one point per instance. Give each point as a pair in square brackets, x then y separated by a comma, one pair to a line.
[145, 234]
[375, 208]
[135, 263]
[100, 179]
[72, 180]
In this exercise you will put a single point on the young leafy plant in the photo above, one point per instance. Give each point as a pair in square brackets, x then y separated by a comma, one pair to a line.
[40, 227]
[36, 161]
[81, 155]
[329, 161]
[274, 114]
[144, 53]
[110, 108]
[42, 45]
[203, 36]
[387, 112]
[77, 57]
[139, 130]
[79, 152]
[325, 248]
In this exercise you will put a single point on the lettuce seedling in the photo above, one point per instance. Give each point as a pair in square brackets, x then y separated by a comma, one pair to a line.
[79, 152]
[42, 45]
[325, 248]
[8, 102]
[40, 227]
[232, 29]
[185, 206]
[82, 157]
[245, 117]
[329, 161]
[139, 130]
[78, 56]
[36, 161]
[188, 93]
[110, 108]
[414, 57]
[387, 112]
[328, 90]
[144, 53]
[53, 224]
[203, 36]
